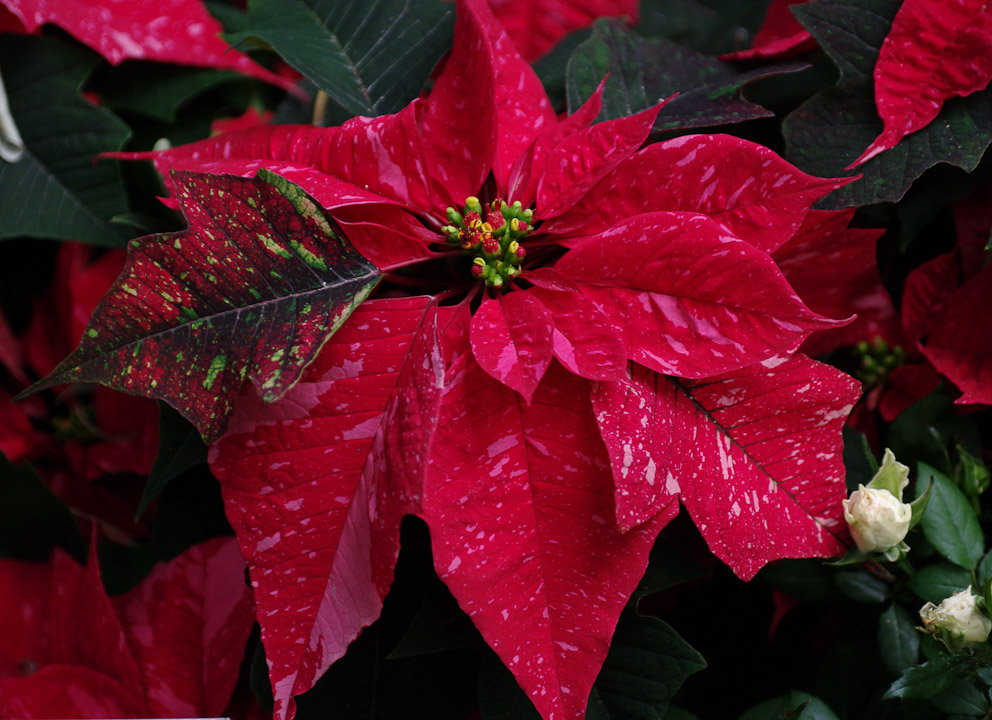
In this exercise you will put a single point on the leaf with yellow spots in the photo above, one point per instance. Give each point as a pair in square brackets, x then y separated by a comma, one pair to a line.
[251, 290]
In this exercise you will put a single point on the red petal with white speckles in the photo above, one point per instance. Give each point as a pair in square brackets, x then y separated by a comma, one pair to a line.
[689, 299]
[458, 118]
[174, 31]
[58, 616]
[936, 50]
[302, 483]
[187, 624]
[746, 188]
[585, 340]
[959, 345]
[756, 456]
[523, 110]
[511, 338]
[380, 158]
[520, 508]
[528, 168]
[584, 158]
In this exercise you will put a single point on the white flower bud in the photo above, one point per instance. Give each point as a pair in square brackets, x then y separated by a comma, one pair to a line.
[957, 621]
[877, 518]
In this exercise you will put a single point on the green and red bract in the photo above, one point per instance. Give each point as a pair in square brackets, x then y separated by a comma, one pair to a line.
[250, 291]
[572, 272]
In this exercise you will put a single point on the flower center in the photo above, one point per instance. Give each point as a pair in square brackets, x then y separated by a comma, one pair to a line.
[491, 234]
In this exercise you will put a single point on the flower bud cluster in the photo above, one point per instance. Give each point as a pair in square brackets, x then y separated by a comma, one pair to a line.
[877, 360]
[492, 233]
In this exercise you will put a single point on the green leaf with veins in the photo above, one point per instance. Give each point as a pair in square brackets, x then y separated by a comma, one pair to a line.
[644, 72]
[55, 190]
[371, 58]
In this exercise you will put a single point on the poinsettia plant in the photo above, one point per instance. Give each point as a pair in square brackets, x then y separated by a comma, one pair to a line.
[538, 307]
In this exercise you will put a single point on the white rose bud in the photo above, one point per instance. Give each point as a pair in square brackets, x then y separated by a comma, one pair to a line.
[957, 621]
[878, 519]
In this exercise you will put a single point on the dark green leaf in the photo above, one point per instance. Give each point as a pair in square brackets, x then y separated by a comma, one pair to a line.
[985, 568]
[54, 190]
[158, 91]
[250, 291]
[643, 72]
[936, 582]
[922, 432]
[32, 520]
[830, 130]
[668, 566]
[961, 698]
[949, 522]
[677, 713]
[707, 26]
[371, 58]
[550, 67]
[898, 639]
[796, 705]
[805, 580]
[366, 685]
[929, 679]
[439, 625]
[500, 698]
[859, 461]
[861, 586]
[647, 664]
[180, 447]
[259, 679]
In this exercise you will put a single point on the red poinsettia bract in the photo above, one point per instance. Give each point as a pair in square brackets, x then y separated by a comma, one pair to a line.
[173, 31]
[625, 341]
[170, 647]
[936, 50]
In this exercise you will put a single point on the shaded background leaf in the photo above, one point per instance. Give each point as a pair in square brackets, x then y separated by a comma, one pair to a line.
[644, 72]
[55, 190]
[830, 130]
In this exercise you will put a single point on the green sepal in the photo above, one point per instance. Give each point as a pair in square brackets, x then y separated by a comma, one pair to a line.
[987, 596]
[853, 557]
[973, 476]
[892, 476]
[919, 505]
[869, 455]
